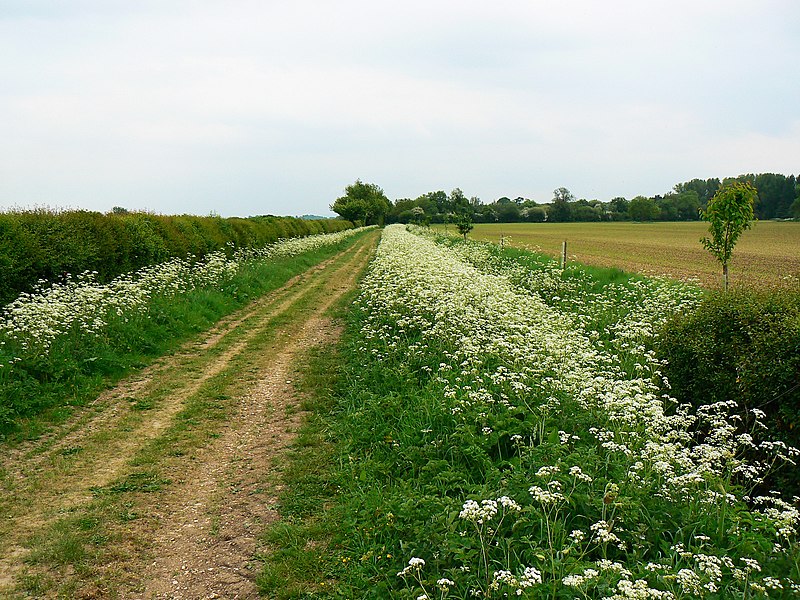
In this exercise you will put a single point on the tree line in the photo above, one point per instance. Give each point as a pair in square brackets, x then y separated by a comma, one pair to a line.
[778, 198]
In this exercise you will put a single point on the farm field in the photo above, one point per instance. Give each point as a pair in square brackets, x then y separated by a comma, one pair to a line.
[764, 254]
[161, 486]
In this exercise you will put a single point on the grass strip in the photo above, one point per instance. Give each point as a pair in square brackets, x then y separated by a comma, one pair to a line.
[299, 555]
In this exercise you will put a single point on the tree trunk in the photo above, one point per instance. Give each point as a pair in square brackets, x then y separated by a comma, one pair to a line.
[725, 275]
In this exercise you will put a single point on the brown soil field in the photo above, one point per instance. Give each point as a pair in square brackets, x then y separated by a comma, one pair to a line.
[766, 254]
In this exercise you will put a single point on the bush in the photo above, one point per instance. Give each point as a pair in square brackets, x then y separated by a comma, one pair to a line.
[43, 244]
[742, 346]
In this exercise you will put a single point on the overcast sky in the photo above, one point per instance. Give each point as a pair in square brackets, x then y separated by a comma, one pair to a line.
[255, 107]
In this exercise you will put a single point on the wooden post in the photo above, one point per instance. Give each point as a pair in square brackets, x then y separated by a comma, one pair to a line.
[502, 242]
[564, 254]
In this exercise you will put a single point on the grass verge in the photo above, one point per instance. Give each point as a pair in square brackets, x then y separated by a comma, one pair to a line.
[498, 432]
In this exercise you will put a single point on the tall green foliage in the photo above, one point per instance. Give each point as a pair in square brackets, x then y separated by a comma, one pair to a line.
[464, 225]
[744, 345]
[729, 213]
[363, 203]
[47, 245]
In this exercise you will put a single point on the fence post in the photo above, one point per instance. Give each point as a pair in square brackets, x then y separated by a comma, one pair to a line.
[564, 254]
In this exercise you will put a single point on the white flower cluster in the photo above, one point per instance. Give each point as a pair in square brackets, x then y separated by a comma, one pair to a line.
[638, 590]
[36, 320]
[545, 497]
[478, 513]
[539, 328]
[576, 580]
[415, 564]
[287, 247]
[487, 509]
[518, 583]
[431, 290]
[603, 534]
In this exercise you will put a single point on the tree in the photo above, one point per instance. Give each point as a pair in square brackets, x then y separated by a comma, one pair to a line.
[350, 209]
[688, 204]
[563, 194]
[464, 224]
[668, 207]
[585, 212]
[400, 211]
[729, 213]
[560, 210]
[507, 210]
[459, 204]
[643, 209]
[795, 209]
[618, 208]
[534, 214]
[363, 203]
[705, 189]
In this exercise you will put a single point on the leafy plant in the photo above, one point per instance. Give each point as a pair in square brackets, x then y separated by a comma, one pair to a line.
[743, 345]
[464, 224]
[729, 213]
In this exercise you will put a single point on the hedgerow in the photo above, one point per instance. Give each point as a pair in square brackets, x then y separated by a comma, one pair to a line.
[60, 341]
[46, 245]
[742, 345]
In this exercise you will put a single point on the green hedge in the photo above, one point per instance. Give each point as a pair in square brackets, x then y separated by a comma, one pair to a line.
[742, 346]
[43, 244]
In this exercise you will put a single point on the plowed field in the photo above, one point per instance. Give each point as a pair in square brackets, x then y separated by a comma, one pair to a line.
[765, 254]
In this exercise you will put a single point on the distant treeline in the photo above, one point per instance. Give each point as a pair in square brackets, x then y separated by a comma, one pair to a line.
[778, 198]
[44, 244]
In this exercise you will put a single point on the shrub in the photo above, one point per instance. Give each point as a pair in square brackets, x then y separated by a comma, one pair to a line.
[743, 346]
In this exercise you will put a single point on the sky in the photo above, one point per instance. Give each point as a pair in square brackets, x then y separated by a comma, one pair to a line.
[241, 108]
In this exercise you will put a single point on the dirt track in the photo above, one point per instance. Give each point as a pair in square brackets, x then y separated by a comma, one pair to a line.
[215, 479]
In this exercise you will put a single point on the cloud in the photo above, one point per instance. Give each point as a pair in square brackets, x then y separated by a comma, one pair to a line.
[283, 104]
